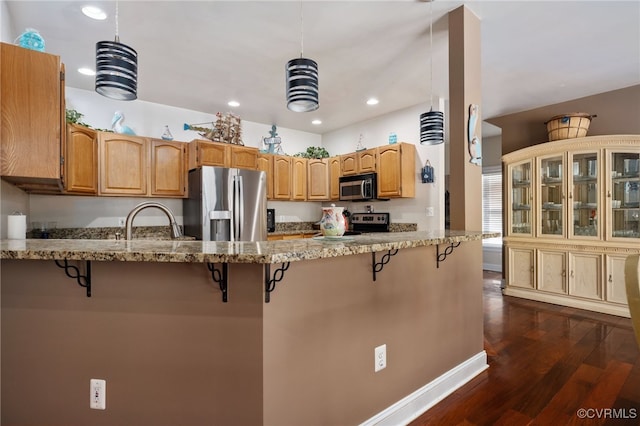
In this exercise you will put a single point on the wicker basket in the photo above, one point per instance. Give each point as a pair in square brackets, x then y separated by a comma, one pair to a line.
[568, 126]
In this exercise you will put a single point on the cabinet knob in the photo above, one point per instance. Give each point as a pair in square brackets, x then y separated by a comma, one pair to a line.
[610, 278]
[571, 195]
[571, 275]
[564, 273]
[609, 194]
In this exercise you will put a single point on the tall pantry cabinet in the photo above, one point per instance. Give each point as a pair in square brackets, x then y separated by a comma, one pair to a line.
[572, 216]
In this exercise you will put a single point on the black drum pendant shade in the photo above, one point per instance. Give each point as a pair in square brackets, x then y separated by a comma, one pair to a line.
[302, 85]
[116, 70]
[431, 128]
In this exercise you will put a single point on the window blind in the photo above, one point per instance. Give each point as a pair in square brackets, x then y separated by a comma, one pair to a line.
[492, 205]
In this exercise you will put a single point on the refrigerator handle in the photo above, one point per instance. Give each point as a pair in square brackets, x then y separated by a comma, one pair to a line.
[238, 207]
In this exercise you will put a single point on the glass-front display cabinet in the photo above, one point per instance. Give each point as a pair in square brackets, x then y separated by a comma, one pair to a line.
[584, 193]
[551, 205]
[521, 193]
[624, 195]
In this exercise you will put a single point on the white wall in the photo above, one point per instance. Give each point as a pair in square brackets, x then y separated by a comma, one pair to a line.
[406, 124]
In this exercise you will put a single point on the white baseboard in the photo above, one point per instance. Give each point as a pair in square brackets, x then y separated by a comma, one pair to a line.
[492, 267]
[413, 405]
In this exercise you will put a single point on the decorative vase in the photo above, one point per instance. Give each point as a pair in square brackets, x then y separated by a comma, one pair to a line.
[332, 223]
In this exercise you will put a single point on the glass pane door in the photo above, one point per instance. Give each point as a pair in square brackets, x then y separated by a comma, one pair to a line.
[521, 197]
[551, 196]
[584, 194]
[625, 195]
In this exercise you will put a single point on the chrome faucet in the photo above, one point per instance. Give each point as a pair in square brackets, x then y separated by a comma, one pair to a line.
[175, 229]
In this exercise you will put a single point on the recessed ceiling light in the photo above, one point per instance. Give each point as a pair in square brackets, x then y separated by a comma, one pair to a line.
[316, 122]
[372, 101]
[86, 71]
[233, 103]
[94, 13]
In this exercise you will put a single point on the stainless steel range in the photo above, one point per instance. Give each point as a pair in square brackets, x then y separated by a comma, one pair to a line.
[369, 222]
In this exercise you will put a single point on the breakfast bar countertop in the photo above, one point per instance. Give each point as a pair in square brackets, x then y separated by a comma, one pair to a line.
[264, 252]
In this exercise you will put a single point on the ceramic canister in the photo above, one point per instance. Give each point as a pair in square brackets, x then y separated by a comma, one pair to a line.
[332, 223]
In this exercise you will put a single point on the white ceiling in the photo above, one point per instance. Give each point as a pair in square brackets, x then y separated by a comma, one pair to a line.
[200, 54]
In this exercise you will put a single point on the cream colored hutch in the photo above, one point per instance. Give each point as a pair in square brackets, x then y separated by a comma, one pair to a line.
[572, 216]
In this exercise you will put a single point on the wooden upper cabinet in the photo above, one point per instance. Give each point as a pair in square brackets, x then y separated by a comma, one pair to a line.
[367, 161]
[168, 168]
[358, 162]
[243, 157]
[81, 160]
[282, 177]
[123, 164]
[396, 170]
[334, 178]
[205, 153]
[318, 179]
[265, 164]
[32, 117]
[299, 178]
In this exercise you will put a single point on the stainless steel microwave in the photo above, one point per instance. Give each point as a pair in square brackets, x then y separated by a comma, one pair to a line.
[362, 187]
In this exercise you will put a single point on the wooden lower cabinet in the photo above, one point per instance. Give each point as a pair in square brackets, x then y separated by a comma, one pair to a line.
[586, 277]
[81, 161]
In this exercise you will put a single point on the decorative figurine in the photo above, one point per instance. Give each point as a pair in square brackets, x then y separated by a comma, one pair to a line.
[272, 142]
[474, 144]
[118, 127]
[360, 146]
[226, 129]
[31, 39]
[166, 135]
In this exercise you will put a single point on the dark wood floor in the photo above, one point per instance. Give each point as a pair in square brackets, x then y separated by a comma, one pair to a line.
[546, 363]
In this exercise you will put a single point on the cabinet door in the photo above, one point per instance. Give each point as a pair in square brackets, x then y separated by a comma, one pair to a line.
[168, 174]
[616, 291]
[243, 157]
[520, 199]
[389, 178]
[551, 197]
[367, 161]
[299, 179]
[265, 164]
[205, 153]
[349, 164]
[585, 212]
[334, 178]
[318, 179]
[32, 113]
[623, 195]
[521, 267]
[552, 271]
[123, 164]
[281, 177]
[81, 161]
[585, 275]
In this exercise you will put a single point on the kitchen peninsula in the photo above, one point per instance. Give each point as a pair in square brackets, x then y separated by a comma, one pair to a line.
[172, 352]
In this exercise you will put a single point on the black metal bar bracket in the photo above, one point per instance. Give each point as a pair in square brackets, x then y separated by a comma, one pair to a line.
[74, 272]
[220, 276]
[447, 251]
[377, 266]
[270, 283]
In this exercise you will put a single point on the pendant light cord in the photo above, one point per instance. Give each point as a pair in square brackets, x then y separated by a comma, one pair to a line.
[431, 53]
[301, 32]
[117, 37]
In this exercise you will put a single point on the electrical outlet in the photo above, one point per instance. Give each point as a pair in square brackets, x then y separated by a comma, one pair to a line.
[98, 394]
[429, 211]
[121, 221]
[380, 355]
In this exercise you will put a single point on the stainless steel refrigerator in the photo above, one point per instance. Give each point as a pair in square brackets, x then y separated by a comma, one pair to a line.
[226, 205]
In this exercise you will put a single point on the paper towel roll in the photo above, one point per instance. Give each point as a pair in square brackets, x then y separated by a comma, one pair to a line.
[17, 227]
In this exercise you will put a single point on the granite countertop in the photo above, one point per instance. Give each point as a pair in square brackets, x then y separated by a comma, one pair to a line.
[227, 252]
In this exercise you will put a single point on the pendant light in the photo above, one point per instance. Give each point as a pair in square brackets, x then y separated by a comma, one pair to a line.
[116, 69]
[302, 80]
[431, 122]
